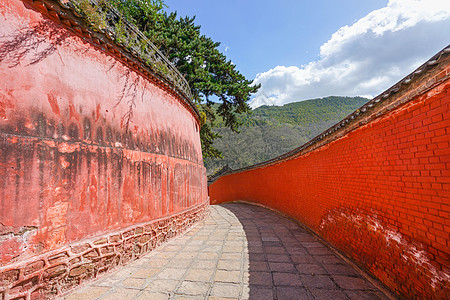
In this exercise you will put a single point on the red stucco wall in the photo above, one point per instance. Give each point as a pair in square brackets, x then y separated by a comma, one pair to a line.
[380, 193]
[88, 146]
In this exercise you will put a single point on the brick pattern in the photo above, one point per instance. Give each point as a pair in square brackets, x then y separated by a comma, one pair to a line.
[239, 251]
[58, 271]
[379, 192]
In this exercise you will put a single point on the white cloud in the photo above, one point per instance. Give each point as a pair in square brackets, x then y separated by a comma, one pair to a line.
[365, 58]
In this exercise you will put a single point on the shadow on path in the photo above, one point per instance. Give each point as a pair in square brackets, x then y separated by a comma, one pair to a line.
[287, 262]
[240, 251]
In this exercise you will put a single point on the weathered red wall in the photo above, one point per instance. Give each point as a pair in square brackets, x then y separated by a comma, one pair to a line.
[87, 145]
[380, 193]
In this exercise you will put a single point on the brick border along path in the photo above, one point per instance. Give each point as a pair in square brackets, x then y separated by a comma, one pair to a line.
[240, 251]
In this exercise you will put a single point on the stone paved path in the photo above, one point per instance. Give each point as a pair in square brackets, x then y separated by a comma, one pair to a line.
[240, 251]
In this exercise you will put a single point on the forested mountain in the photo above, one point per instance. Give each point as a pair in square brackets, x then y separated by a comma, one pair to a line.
[270, 131]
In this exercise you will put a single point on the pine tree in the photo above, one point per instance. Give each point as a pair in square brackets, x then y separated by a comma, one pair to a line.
[210, 75]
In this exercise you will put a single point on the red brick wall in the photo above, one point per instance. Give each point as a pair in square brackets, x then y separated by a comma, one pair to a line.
[379, 193]
[89, 146]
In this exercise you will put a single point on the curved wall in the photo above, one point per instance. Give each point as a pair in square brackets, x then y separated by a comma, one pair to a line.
[377, 189]
[89, 148]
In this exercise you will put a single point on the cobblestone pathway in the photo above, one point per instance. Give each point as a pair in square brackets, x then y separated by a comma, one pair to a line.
[240, 251]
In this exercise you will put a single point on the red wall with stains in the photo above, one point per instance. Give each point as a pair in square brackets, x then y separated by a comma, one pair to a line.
[87, 145]
[380, 193]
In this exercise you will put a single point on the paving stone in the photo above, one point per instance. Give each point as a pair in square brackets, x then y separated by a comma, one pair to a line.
[293, 293]
[365, 295]
[310, 269]
[328, 259]
[186, 255]
[245, 277]
[278, 258]
[256, 249]
[162, 285]
[156, 263]
[232, 249]
[314, 244]
[108, 281]
[319, 251]
[217, 238]
[193, 288]
[121, 293]
[275, 250]
[196, 242]
[231, 255]
[270, 239]
[172, 248]
[318, 281]
[287, 279]
[328, 294]
[214, 243]
[134, 282]
[124, 273]
[282, 267]
[215, 249]
[193, 248]
[165, 255]
[236, 244]
[339, 269]
[204, 264]
[204, 275]
[183, 297]
[239, 252]
[226, 264]
[208, 255]
[260, 293]
[258, 266]
[89, 293]
[227, 276]
[179, 263]
[260, 278]
[257, 257]
[146, 295]
[171, 273]
[225, 290]
[305, 238]
[145, 273]
[278, 244]
[294, 249]
[352, 283]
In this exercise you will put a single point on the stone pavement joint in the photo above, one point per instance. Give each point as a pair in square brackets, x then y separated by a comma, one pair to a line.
[240, 251]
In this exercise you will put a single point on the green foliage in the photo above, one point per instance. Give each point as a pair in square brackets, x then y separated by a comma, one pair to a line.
[207, 137]
[97, 20]
[140, 11]
[207, 70]
[270, 131]
[121, 36]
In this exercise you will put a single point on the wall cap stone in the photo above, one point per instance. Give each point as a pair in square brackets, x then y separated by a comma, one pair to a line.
[432, 72]
[64, 13]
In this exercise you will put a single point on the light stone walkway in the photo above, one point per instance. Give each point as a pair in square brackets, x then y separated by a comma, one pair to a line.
[240, 251]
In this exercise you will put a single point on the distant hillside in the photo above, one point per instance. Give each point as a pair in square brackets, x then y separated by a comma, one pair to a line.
[273, 130]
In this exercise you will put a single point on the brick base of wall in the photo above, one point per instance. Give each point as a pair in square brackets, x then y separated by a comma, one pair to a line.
[56, 272]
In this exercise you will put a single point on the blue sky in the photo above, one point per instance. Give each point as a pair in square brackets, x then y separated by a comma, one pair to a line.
[300, 49]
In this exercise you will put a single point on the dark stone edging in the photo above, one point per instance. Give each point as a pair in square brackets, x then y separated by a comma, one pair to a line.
[56, 272]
